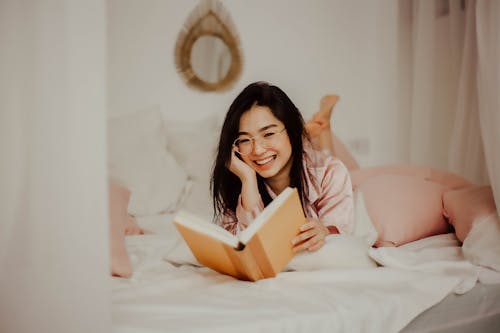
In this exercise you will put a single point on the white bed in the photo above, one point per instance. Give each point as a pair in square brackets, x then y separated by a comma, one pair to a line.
[164, 297]
[413, 289]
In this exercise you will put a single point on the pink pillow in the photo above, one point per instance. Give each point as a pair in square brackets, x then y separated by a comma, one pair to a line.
[464, 206]
[403, 208]
[448, 179]
[118, 202]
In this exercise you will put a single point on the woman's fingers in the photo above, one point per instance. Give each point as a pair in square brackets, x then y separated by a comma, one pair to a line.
[312, 244]
[304, 235]
[307, 226]
[311, 237]
[307, 239]
[319, 244]
[300, 247]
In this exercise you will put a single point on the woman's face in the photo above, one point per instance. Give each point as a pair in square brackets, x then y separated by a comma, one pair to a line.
[271, 151]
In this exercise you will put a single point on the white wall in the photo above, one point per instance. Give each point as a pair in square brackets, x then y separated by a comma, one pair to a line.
[308, 48]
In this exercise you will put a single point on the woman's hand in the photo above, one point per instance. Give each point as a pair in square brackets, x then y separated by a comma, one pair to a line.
[240, 168]
[312, 236]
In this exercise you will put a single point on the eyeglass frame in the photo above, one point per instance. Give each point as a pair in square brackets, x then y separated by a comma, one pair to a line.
[253, 140]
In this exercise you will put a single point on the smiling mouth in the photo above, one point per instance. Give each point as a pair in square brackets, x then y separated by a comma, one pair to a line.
[265, 160]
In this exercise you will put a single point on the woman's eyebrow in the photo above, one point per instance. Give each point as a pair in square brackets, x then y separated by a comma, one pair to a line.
[267, 127]
[260, 130]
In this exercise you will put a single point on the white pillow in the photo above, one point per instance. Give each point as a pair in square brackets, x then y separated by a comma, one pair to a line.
[139, 160]
[481, 246]
[339, 251]
[194, 143]
[364, 228]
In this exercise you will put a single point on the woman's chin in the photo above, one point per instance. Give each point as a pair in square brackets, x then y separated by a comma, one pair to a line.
[267, 172]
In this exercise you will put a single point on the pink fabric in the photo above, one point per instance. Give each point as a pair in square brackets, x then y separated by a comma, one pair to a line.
[329, 196]
[403, 208]
[445, 178]
[405, 201]
[118, 202]
[464, 206]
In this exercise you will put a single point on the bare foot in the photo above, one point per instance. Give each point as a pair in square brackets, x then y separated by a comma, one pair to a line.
[326, 107]
[314, 128]
[321, 119]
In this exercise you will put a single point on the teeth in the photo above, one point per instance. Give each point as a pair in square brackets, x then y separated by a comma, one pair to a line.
[267, 160]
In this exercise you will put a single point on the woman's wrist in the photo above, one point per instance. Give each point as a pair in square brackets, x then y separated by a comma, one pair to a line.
[250, 196]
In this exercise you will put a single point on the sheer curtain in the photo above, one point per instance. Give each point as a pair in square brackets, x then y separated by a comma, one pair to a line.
[436, 51]
[488, 40]
[54, 259]
[455, 111]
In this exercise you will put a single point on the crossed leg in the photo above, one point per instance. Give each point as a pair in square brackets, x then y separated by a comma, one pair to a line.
[322, 137]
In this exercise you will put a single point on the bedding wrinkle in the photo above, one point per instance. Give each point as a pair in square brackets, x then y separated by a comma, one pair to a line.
[163, 297]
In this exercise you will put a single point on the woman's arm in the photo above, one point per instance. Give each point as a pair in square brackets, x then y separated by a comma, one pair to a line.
[335, 205]
[250, 203]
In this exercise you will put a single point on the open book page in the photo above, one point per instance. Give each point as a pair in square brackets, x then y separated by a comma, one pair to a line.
[210, 229]
[248, 233]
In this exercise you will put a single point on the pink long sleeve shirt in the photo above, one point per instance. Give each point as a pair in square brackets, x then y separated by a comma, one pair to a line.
[329, 196]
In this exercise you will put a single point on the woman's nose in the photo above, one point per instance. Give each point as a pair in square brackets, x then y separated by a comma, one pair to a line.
[258, 148]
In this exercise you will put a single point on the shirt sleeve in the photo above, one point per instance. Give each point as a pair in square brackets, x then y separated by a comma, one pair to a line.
[335, 204]
[235, 223]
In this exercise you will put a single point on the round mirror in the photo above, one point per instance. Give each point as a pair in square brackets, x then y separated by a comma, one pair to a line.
[207, 52]
[210, 58]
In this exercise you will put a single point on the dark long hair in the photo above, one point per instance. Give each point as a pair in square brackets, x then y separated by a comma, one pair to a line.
[226, 186]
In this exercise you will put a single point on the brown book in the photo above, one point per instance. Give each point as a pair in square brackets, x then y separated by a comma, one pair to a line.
[260, 251]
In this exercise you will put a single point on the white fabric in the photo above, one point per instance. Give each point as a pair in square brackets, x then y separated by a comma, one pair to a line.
[167, 297]
[138, 158]
[364, 228]
[455, 75]
[466, 149]
[194, 144]
[339, 251]
[455, 99]
[53, 231]
[439, 255]
[488, 39]
[482, 244]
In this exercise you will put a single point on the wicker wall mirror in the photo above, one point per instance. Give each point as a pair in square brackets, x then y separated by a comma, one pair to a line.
[207, 53]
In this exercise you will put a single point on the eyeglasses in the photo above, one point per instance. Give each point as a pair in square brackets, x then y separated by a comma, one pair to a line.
[245, 144]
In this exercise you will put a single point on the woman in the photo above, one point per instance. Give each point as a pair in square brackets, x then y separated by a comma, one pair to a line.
[263, 149]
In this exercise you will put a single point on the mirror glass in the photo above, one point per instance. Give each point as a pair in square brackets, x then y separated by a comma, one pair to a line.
[210, 58]
[208, 55]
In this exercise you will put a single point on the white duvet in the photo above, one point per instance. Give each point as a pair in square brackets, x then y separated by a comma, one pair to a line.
[169, 293]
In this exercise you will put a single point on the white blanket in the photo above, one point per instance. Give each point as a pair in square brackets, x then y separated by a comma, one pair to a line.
[337, 289]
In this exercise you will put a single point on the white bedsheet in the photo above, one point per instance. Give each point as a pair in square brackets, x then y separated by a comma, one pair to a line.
[163, 297]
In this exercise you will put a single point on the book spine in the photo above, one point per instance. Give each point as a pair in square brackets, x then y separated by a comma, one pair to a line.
[244, 263]
[262, 260]
[235, 261]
